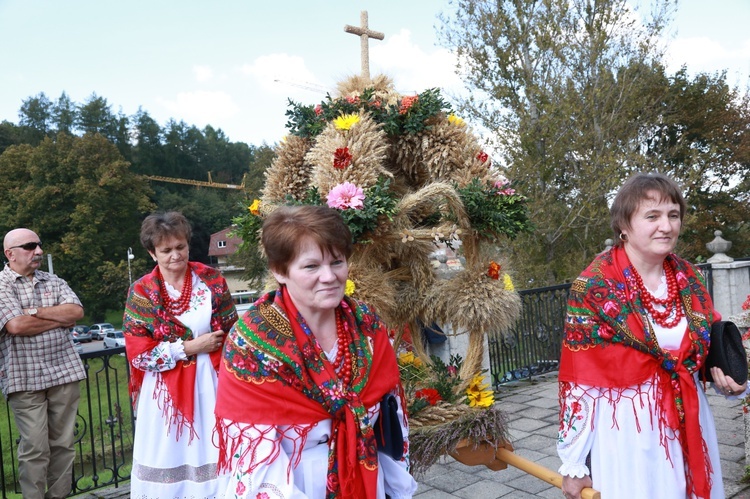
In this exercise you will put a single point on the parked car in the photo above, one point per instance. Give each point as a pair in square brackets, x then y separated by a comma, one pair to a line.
[81, 334]
[114, 339]
[99, 330]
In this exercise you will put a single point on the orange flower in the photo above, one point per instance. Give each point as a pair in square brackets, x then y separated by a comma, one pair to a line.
[494, 270]
[406, 103]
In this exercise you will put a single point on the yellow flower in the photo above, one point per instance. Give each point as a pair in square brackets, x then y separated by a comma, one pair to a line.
[349, 288]
[478, 394]
[455, 120]
[346, 121]
[255, 207]
[508, 282]
[407, 358]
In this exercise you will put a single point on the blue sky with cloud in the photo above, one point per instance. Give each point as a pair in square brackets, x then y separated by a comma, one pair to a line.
[234, 63]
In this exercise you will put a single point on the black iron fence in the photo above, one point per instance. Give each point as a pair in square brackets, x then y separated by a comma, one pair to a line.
[532, 346]
[104, 428]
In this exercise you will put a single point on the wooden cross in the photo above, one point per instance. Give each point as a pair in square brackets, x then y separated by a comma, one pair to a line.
[364, 33]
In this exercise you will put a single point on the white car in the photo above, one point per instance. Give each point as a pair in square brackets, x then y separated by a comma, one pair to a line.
[114, 339]
[99, 330]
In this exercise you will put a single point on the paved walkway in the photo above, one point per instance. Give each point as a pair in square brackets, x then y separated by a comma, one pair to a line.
[532, 410]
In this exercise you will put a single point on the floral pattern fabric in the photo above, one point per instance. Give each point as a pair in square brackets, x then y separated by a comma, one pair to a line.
[612, 357]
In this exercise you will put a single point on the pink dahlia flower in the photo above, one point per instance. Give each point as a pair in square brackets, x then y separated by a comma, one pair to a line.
[346, 195]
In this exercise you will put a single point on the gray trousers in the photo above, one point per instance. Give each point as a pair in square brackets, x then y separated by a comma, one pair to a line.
[46, 421]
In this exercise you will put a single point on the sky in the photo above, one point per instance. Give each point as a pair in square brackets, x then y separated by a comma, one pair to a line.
[234, 63]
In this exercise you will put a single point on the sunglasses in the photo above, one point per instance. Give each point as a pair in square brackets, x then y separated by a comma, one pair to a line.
[28, 246]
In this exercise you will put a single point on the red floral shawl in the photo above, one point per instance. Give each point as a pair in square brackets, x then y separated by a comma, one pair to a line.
[147, 323]
[275, 373]
[609, 343]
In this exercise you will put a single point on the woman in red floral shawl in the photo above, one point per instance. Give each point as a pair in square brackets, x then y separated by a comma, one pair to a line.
[636, 336]
[303, 373]
[176, 318]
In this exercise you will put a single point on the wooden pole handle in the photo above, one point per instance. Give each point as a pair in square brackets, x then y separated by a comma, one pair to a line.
[539, 471]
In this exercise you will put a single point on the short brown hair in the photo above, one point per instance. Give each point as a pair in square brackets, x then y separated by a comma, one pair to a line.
[285, 227]
[158, 226]
[635, 190]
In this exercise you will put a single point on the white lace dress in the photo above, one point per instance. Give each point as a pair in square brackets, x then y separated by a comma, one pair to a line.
[166, 466]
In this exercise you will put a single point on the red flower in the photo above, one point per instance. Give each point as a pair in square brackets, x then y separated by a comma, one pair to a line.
[606, 332]
[406, 103]
[318, 110]
[342, 158]
[429, 394]
[352, 99]
[494, 270]
[483, 157]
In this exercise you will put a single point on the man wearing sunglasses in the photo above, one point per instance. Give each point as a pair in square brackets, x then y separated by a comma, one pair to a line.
[39, 367]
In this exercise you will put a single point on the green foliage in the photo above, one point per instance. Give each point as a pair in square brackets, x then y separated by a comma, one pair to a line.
[409, 116]
[445, 376]
[424, 385]
[379, 202]
[81, 198]
[495, 211]
[247, 228]
[577, 98]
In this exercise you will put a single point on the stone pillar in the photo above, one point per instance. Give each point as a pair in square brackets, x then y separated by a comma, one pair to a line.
[730, 279]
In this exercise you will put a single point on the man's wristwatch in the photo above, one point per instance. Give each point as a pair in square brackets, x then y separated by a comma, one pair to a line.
[33, 312]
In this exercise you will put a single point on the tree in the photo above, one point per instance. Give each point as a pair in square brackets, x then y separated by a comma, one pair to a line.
[95, 116]
[35, 116]
[80, 196]
[64, 114]
[702, 138]
[148, 151]
[567, 89]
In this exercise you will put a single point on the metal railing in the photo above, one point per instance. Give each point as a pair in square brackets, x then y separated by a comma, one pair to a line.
[532, 346]
[103, 433]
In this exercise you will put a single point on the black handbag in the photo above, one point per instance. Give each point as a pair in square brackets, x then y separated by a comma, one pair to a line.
[726, 352]
[388, 432]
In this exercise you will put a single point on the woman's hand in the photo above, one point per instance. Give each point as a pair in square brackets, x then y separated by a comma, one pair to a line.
[572, 486]
[725, 384]
[205, 343]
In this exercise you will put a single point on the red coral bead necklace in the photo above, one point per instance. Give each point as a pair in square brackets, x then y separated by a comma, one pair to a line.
[181, 304]
[671, 302]
[345, 368]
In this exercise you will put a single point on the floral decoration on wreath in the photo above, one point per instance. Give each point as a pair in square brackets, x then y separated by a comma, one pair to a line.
[408, 176]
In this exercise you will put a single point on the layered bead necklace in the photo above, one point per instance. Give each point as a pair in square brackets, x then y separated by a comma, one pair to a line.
[182, 304]
[344, 354]
[671, 302]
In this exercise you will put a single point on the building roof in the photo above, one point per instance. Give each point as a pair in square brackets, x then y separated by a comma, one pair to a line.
[230, 244]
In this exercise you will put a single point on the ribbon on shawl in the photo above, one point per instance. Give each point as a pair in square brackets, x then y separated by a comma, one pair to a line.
[274, 365]
[606, 326]
[147, 323]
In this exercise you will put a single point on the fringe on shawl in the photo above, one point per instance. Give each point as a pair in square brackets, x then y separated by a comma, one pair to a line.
[614, 396]
[240, 442]
[170, 413]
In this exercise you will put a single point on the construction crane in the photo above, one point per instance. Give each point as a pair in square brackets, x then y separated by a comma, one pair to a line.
[305, 85]
[197, 183]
